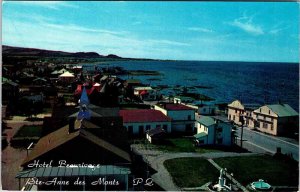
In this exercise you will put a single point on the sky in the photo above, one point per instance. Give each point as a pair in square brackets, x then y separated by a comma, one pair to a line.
[215, 31]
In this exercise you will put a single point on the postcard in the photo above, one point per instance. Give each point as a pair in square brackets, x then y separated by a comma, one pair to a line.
[150, 96]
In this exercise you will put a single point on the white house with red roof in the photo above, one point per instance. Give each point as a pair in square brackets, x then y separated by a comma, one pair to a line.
[138, 121]
[183, 117]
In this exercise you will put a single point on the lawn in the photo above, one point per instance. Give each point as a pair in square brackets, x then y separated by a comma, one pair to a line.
[29, 131]
[274, 171]
[191, 172]
[26, 135]
[181, 145]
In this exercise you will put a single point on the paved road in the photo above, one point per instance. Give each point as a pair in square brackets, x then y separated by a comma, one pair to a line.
[269, 143]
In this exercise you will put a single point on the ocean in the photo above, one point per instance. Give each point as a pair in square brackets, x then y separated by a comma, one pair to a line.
[250, 82]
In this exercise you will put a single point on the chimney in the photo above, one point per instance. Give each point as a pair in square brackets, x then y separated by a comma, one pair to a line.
[71, 125]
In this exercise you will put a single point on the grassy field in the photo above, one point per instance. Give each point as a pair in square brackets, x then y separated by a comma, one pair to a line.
[26, 135]
[180, 145]
[29, 131]
[274, 171]
[191, 172]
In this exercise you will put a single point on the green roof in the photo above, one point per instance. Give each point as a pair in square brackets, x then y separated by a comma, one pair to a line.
[207, 121]
[199, 135]
[283, 110]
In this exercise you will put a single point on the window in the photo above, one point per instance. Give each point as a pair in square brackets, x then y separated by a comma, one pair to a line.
[189, 117]
[235, 111]
[260, 110]
[265, 125]
[130, 130]
[165, 127]
[272, 127]
[204, 110]
[269, 111]
[141, 129]
[233, 118]
[148, 127]
[229, 117]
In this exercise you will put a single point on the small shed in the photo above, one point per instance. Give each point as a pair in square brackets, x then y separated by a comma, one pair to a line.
[156, 135]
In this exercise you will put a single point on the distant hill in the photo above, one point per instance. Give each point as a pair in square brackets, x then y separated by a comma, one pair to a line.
[21, 51]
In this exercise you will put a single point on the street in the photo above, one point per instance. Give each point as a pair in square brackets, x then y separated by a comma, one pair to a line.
[268, 143]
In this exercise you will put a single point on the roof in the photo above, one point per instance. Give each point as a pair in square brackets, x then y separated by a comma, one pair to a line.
[176, 107]
[40, 79]
[251, 106]
[62, 135]
[67, 74]
[91, 113]
[62, 71]
[207, 121]
[283, 110]
[143, 115]
[79, 89]
[199, 135]
[73, 171]
[184, 98]
[10, 83]
[142, 88]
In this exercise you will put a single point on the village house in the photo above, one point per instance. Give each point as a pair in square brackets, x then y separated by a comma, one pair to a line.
[156, 135]
[213, 131]
[138, 121]
[276, 119]
[10, 89]
[183, 100]
[238, 110]
[67, 77]
[210, 109]
[183, 117]
[145, 93]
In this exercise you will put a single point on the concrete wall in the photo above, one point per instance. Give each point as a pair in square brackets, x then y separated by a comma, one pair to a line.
[152, 126]
[213, 134]
[181, 115]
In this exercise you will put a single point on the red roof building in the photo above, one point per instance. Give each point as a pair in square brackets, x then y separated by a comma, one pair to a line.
[176, 107]
[143, 116]
[89, 91]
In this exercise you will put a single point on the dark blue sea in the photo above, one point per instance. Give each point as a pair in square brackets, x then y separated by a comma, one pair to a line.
[251, 82]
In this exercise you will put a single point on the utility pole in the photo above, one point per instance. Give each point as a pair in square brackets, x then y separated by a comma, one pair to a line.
[242, 121]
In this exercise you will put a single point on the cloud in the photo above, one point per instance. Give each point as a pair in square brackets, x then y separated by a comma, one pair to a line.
[245, 23]
[278, 28]
[74, 38]
[200, 29]
[46, 4]
[166, 42]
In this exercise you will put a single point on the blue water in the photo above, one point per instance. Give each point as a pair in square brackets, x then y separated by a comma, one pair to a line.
[251, 82]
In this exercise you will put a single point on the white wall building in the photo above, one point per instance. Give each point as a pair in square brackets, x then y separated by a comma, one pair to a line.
[138, 121]
[183, 117]
[212, 131]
